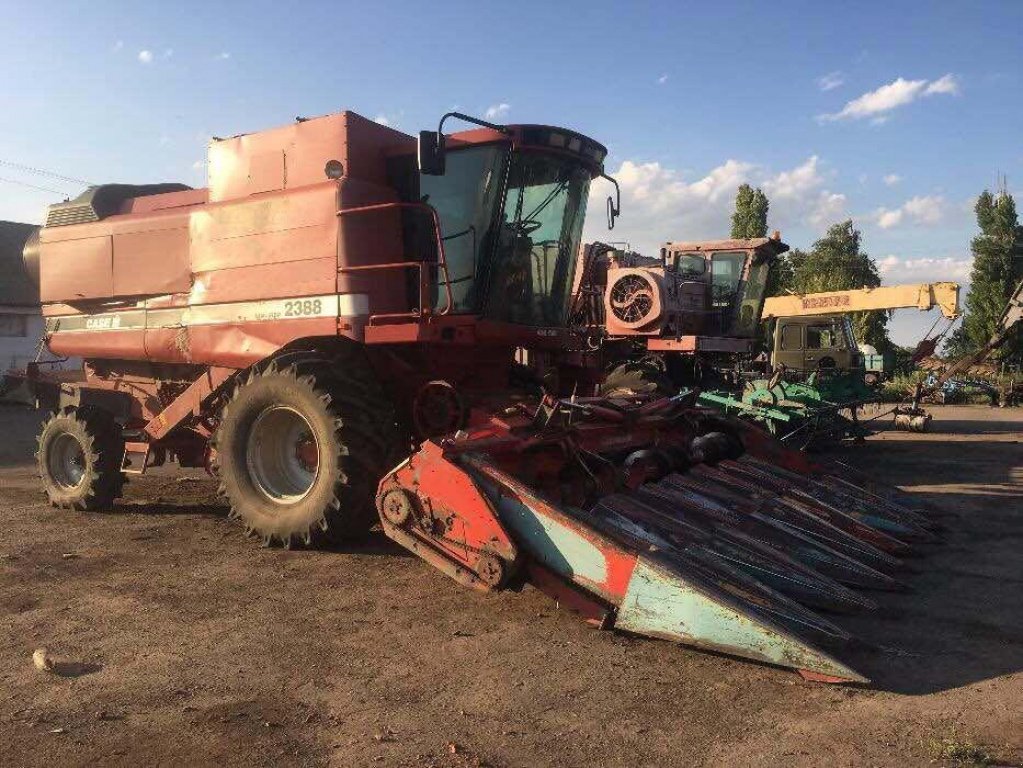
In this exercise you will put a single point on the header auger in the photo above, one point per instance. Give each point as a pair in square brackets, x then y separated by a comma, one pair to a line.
[335, 329]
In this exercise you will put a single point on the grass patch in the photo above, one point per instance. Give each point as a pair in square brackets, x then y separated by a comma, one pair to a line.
[955, 748]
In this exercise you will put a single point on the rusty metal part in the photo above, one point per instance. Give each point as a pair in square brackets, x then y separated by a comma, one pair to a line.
[438, 409]
[491, 569]
[395, 506]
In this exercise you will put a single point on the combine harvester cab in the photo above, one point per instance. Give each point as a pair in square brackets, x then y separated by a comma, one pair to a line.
[659, 519]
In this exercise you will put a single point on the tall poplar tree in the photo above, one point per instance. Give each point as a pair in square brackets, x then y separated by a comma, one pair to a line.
[997, 269]
[750, 220]
[750, 217]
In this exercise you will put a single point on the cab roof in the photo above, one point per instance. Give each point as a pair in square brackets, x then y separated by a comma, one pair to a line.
[773, 244]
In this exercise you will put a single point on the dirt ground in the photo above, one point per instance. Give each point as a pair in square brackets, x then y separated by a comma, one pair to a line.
[179, 642]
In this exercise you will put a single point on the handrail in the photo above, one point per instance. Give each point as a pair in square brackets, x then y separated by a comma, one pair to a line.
[442, 261]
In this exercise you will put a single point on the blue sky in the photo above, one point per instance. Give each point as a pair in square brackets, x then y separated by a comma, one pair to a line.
[896, 114]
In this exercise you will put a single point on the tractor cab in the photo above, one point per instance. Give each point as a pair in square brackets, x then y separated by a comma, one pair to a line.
[734, 273]
[510, 202]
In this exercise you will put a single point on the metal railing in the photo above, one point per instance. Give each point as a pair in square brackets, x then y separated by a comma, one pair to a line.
[425, 303]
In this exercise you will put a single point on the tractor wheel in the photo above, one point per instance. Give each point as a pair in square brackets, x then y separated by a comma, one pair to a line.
[637, 377]
[300, 451]
[79, 459]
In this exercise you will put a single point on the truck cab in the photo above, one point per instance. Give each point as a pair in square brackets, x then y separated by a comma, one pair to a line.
[808, 344]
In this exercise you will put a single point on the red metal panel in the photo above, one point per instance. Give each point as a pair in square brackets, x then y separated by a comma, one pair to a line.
[240, 345]
[311, 277]
[151, 262]
[76, 269]
[266, 172]
[271, 228]
[127, 344]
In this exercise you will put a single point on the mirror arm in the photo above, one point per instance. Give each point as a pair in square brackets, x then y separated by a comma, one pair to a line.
[470, 119]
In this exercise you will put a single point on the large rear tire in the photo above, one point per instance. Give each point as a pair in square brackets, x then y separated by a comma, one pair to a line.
[79, 459]
[300, 451]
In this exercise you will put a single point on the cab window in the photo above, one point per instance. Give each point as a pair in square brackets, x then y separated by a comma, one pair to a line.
[691, 265]
[791, 337]
[725, 276]
[822, 336]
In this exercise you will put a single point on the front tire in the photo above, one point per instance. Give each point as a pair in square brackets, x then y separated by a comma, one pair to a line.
[79, 459]
[298, 459]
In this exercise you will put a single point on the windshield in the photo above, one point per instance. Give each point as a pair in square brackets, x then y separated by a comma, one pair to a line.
[531, 268]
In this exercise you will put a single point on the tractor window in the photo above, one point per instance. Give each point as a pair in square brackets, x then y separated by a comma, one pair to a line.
[791, 337]
[465, 198]
[726, 273]
[531, 273]
[691, 265]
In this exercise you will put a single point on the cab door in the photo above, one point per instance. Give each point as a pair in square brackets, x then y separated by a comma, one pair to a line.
[824, 346]
[788, 344]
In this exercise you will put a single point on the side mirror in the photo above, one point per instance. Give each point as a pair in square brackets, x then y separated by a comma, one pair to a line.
[431, 153]
[614, 204]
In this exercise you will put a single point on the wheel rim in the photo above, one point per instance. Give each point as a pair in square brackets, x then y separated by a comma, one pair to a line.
[66, 461]
[282, 455]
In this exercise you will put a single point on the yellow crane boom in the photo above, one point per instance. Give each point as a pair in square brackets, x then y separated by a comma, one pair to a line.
[923, 296]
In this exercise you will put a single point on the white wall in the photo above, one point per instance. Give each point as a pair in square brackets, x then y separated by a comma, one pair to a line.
[18, 351]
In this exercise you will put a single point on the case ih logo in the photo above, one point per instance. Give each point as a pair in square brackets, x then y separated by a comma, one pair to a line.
[103, 323]
[826, 301]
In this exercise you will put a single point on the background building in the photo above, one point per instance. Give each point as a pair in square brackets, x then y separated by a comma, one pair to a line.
[21, 323]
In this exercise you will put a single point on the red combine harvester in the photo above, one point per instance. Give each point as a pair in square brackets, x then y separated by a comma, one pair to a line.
[331, 328]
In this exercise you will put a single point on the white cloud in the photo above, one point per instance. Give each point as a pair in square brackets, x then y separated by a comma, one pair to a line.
[922, 209]
[198, 165]
[382, 119]
[223, 56]
[875, 104]
[887, 219]
[146, 57]
[891, 179]
[496, 111]
[828, 208]
[660, 203]
[662, 79]
[925, 210]
[946, 84]
[795, 182]
[895, 269]
[830, 81]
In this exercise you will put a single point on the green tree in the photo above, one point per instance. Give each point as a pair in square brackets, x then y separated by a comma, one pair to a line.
[997, 267]
[750, 220]
[836, 263]
[750, 217]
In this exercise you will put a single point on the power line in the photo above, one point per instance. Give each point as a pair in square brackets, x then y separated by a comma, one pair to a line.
[34, 186]
[41, 172]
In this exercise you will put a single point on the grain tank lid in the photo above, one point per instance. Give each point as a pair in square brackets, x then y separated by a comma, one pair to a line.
[16, 289]
[104, 200]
